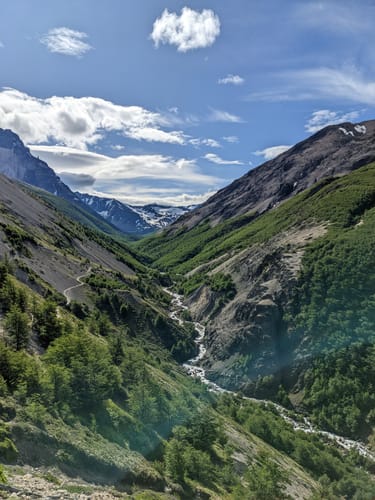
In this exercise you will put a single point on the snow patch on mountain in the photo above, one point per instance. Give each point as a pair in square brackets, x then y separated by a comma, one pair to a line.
[138, 220]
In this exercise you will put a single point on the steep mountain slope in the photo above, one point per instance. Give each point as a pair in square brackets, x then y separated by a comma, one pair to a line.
[333, 151]
[16, 162]
[89, 386]
[50, 251]
[288, 296]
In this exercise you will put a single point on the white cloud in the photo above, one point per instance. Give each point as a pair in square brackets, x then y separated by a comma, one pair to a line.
[272, 152]
[211, 143]
[347, 84]
[118, 147]
[151, 134]
[219, 161]
[323, 117]
[66, 41]
[232, 139]
[218, 115]
[188, 31]
[135, 179]
[232, 80]
[79, 122]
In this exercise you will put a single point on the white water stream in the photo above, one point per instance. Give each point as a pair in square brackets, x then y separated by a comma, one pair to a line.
[193, 368]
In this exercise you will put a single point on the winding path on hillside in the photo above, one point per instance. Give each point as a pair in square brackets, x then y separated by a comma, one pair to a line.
[193, 368]
[81, 283]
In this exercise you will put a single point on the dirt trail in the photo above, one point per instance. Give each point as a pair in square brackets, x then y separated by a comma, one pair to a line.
[67, 291]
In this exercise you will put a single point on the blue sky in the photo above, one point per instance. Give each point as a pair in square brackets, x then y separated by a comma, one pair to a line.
[169, 101]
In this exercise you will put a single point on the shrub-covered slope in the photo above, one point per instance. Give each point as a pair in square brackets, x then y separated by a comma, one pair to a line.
[90, 387]
[288, 298]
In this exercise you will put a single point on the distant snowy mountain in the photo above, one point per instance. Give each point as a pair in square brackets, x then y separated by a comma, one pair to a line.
[137, 220]
[159, 216]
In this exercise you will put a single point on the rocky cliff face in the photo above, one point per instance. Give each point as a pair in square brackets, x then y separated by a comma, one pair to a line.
[333, 151]
[247, 338]
[18, 163]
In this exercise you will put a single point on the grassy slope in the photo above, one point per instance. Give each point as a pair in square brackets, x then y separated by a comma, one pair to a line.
[339, 201]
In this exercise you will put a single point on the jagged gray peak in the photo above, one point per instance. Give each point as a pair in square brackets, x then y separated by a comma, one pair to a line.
[18, 163]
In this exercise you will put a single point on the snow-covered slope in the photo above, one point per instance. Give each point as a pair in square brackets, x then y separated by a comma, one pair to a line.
[133, 219]
[159, 216]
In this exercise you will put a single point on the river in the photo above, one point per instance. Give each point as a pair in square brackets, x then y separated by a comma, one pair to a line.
[193, 368]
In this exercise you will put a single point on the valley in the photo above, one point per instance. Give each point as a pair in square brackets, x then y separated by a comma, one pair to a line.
[198, 361]
[187, 250]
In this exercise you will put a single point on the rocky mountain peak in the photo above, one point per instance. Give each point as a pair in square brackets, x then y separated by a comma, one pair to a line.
[330, 152]
[18, 163]
[9, 140]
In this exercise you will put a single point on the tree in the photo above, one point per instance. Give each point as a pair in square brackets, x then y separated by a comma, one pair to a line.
[174, 460]
[203, 430]
[92, 375]
[49, 325]
[17, 326]
[265, 480]
[198, 464]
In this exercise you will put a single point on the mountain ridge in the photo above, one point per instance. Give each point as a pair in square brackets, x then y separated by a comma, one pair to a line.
[334, 150]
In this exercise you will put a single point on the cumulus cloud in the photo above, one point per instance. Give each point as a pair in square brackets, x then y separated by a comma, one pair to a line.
[272, 152]
[232, 139]
[323, 117]
[79, 122]
[66, 41]
[219, 161]
[187, 31]
[231, 80]
[218, 115]
[135, 179]
[211, 143]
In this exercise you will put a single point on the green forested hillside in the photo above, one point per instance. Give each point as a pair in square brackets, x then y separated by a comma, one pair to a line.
[327, 333]
[91, 385]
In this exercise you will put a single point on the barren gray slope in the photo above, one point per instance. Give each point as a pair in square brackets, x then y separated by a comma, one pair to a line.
[333, 151]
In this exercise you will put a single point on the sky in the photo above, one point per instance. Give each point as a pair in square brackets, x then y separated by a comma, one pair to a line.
[168, 101]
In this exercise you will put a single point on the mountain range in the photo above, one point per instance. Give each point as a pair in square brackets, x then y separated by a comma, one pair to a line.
[16, 162]
[134, 220]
